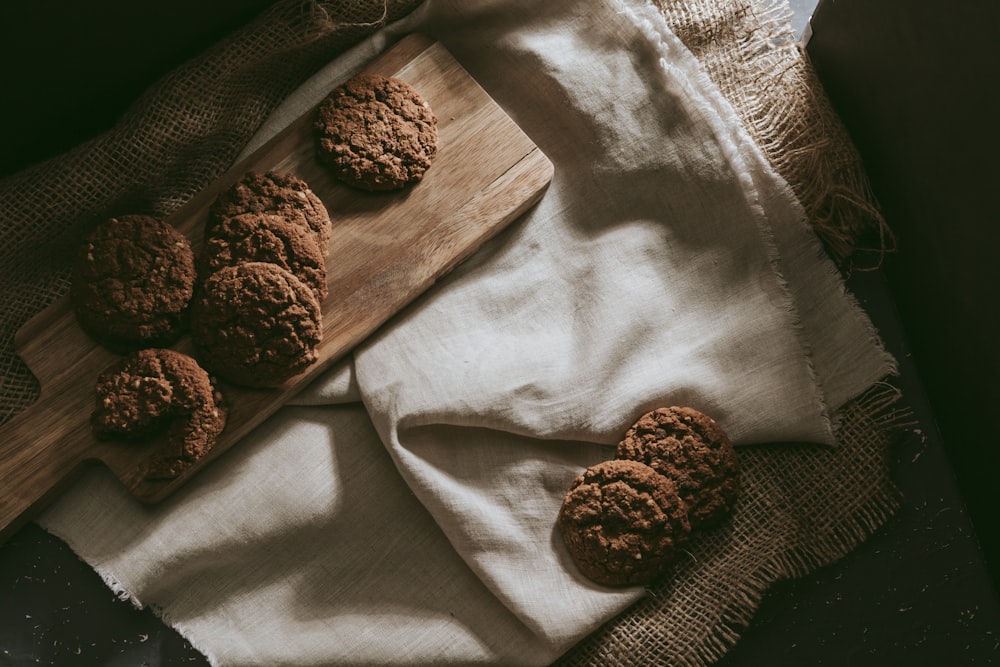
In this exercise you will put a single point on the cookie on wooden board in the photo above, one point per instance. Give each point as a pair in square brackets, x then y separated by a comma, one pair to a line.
[690, 448]
[376, 133]
[157, 390]
[256, 324]
[623, 523]
[266, 237]
[276, 193]
[132, 281]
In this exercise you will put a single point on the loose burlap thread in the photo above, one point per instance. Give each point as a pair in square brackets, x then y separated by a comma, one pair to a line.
[750, 51]
[801, 507]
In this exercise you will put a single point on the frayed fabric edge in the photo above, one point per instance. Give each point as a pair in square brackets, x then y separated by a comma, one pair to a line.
[120, 589]
[768, 123]
[185, 632]
[125, 594]
[795, 565]
[696, 78]
[835, 193]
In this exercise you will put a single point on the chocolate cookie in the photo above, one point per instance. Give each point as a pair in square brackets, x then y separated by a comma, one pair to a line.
[132, 281]
[376, 133]
[276, 193]
[692, 449]
[256, 324]
[623, 523]
[265, 237]
[154, 390]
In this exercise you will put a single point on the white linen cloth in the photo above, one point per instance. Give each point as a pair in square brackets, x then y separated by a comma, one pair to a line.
[403, 512]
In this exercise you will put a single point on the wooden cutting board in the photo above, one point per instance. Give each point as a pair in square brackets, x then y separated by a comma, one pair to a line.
[386, 249]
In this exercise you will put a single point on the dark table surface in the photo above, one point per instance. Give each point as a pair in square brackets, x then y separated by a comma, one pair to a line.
[917, 592]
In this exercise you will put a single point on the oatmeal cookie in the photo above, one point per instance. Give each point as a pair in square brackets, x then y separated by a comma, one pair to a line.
[276, 193]
[256, 324]
[690, 448]
[266, 237]
[132, 282]
[157, 390]
[376, 133]
[623, 523]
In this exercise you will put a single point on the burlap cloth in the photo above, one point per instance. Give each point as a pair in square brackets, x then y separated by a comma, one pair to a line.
[803, 507]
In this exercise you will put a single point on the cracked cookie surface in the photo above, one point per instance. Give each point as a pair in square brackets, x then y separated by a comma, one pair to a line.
[690, 448]
[276, 193]
[153, 390]
[376, 133]
[623, 523]
[266, 237]
[133, 278]
[256, 324]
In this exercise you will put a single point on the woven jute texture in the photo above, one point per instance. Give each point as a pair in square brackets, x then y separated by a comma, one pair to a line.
[751, 52]
[801, 507]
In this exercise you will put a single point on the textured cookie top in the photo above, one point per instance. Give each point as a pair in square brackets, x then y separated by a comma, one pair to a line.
[690, 448]
[145, 386]
[133, 278]
[276, 193]
[622, 523]
[153, 390]
[256, 324]
[266, 237]
[376, 133]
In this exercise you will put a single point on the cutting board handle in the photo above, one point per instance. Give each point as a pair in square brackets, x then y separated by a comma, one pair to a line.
[35, 462]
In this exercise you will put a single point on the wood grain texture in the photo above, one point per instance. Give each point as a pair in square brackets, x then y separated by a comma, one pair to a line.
[386, 249]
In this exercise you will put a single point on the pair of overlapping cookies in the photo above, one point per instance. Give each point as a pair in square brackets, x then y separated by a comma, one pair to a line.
[625, 521]
[252, 300]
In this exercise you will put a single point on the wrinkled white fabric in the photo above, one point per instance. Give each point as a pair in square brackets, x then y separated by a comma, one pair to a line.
[403, 512]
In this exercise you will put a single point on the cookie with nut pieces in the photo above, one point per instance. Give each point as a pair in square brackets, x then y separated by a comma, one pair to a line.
[256, 324]
[690, 448]
[132, 281]
[376, 133]
[275, 193]
[156, 390]
[266, 237]
[623, 523]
